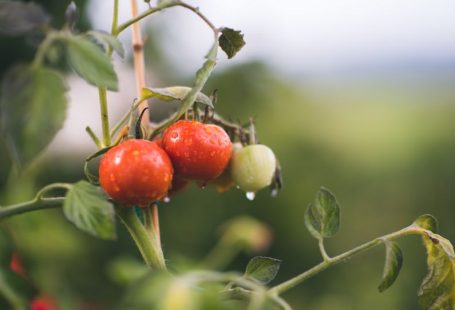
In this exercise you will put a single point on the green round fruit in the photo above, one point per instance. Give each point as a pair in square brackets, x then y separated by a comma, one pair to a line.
[253, 167]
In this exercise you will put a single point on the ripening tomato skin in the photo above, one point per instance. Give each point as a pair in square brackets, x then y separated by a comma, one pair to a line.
[198, 151]
[136, 172]
[43, 303]
[253, 167]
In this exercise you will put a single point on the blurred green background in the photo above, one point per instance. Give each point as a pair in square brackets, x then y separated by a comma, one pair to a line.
[385, 146]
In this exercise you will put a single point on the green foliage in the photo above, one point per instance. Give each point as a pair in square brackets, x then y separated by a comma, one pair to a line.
[109, 40]
[174, 93]
[166, 292]
[6, 248]
[87, 207]
[15, 289]
[33, 106]
[89, 61]
[231, 41]
[322, 217]
[437, 290]
[428, 222]
[392, 265]
[18, 18]
[263, 269]
[126, 270]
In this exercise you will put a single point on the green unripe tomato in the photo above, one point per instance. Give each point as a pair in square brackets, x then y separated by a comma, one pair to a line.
[253, 167]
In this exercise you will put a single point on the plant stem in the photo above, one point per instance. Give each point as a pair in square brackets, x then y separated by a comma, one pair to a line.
[137, 18]
[280, 288]
[43, 48]
[115, 18]
[37, 203]
[146, 242]
[156, 223]
[324, 254]
[125, 117]
[201, 78]
[162, 6]
[138, 61]
[31, 205]
[94, 137]
[104, 116]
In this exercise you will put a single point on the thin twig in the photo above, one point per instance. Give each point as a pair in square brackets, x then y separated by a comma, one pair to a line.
[139, 69]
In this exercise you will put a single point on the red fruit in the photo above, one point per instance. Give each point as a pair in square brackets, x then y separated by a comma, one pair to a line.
[198, 151]
[136, 172]
[16, 264]
[43, 303]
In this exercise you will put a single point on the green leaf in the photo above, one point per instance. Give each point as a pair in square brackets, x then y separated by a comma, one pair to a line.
[108, 39]
[392, 265]
[174, 93]
[428, 222]
[322, 217]
[89, 61]
[231, 41]
[437, 290]
[18, 18]
[87, 207]
[263, 269]
[33, 108]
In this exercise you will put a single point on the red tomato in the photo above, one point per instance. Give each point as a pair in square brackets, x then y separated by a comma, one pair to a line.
[136, 172]
[43, 303]
[198, 151]
[16, 264]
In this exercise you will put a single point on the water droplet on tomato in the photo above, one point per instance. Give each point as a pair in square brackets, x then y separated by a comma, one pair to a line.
[250, 195]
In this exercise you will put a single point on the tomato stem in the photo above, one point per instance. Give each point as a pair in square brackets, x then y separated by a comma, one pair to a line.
[94, 137]
[38, 203]
[147, 242]
[104, 116]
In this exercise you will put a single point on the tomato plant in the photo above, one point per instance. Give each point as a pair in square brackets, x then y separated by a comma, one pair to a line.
[194, 143]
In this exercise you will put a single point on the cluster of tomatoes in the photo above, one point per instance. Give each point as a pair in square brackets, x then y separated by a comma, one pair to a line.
[138, 171]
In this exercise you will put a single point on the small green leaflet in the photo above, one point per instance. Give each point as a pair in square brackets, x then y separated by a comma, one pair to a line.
[174, 93]
[428, 222]
[392, 265]
[33, 106]
[437, 290]
[90, 62]
[231, 41]
[109, 40]
[322, 217]
[263, 269]
[87, 207]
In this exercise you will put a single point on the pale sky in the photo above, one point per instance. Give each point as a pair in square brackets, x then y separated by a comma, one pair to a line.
[307, 35]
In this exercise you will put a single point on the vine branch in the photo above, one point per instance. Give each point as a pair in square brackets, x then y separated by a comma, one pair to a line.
[329, 262]
[38, 203]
